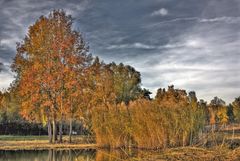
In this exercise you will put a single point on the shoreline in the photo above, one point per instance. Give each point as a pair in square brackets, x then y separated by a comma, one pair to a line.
[42, 145]
[179, 153]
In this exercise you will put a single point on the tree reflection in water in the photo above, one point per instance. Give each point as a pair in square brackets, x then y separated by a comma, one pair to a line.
[71, 155]
[74, 155]
[48, 155]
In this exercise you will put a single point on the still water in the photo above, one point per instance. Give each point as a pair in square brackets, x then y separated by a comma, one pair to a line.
[67, 155]
[48, 155]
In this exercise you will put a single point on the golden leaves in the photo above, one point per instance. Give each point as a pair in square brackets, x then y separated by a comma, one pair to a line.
[47, 64]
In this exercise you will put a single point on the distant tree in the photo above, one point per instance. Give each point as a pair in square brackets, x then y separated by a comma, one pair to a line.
[3, 113]
[236, 109]
[126, 82]
[218, 111]
[230, 113]
[193, 99]
[9, 107]
[146, 94]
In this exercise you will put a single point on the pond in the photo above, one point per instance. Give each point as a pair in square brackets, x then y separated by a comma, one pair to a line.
[48, 155]
[194, 154]
[67, 155]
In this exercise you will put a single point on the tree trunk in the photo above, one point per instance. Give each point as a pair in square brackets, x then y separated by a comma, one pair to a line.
[61, 121]
[49, 131]
[54, 130]
[70, 130]
[60, 131]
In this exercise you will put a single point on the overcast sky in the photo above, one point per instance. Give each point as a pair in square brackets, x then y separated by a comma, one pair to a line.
[193, 44]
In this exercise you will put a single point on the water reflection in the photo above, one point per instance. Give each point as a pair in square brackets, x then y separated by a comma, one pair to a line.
[48, 155]
[75, 155]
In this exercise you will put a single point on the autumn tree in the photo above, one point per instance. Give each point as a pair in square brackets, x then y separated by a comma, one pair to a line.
[48, 64]
[77, 95]
[218, 111]
[102, 84]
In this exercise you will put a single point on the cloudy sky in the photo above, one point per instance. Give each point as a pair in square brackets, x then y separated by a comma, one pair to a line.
[193, 44]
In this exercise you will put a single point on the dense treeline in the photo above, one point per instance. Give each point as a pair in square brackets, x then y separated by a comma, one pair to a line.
[59, 84]
[11, 122]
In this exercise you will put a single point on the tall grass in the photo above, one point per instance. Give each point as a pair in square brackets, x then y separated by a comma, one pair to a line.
[147, 124]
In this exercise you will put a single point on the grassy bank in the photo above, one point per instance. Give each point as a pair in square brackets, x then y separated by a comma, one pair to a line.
[22, 138]
[75, 138]
[9, 142]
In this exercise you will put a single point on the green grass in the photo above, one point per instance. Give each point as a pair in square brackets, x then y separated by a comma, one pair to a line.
[16, 142]
[22, 138]
[75, 138]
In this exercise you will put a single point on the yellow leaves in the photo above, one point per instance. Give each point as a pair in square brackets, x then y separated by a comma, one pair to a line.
[25, 108]
[218, 111]
[49, 67]
[172, 98]
[222, 115]
[47, 103]
[75, 94]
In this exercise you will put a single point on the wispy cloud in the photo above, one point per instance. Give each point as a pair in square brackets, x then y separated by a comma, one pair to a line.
[189, 43]
[228, 20]
[136, 45]
[221, 19]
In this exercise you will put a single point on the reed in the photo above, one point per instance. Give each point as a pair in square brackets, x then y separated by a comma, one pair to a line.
[147, 124]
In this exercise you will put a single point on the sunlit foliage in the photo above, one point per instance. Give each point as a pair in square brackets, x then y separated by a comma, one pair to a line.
[168, 121]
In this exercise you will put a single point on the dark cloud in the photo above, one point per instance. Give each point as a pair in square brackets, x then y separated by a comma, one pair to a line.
[192, 44]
